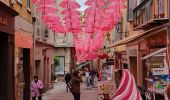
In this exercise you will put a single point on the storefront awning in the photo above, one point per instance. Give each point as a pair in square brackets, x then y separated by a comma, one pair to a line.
[154, 53]
[83, 64]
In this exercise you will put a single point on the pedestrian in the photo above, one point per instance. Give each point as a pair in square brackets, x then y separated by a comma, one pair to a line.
[92, 77]
[99, 75]
[67, 78]
[36, 88]
[76, 80]
[87, 75]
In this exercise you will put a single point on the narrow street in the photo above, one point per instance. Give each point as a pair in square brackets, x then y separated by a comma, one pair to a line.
[59, 93]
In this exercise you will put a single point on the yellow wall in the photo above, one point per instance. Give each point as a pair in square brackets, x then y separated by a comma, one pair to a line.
[23, 10]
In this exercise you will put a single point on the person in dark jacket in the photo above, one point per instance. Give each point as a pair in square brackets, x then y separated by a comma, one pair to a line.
[67, 77]
[76, 80]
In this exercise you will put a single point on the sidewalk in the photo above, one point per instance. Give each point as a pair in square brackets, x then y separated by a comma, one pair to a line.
[59, 93]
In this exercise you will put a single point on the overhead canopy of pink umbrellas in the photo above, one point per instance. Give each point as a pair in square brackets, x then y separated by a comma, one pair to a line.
[100, 17]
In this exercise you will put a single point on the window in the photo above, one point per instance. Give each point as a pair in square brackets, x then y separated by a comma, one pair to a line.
[46, 31]
[130, 11]
[60, 68]
[19, 1]
[28, 4]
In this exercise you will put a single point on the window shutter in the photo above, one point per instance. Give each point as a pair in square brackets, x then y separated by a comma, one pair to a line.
[37, 28]
[130, 10]
[46, 32]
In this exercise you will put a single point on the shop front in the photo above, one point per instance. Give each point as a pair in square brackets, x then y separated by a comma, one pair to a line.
[44, 63]
[7, 16]
[23, 63]
[120, 57]
[148, 61]
[156, 62]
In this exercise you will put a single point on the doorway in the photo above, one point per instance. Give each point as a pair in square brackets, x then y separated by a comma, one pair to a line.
[37, 67]
[23, 69]
[6, 66]
[133, 66]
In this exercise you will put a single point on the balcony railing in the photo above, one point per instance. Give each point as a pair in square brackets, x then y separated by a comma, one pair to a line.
[150, 13]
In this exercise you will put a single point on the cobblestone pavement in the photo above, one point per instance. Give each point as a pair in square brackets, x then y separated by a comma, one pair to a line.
[59, 93]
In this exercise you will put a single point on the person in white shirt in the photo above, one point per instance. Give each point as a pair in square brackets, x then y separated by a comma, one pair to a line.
[87, 75]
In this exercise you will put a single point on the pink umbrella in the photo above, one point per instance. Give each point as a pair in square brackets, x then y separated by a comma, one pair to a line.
[96, 2]
[69, 4]
[70, 12]
[47, 8]
[72, 18]
[46, 2]
[92, 55]
[50, 18]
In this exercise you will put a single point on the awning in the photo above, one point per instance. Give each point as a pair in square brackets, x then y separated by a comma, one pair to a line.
[83, 64]
[136, 36]
[154, 53]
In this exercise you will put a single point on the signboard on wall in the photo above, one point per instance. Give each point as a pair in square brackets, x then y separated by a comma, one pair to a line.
[157, 40]
[160, 71]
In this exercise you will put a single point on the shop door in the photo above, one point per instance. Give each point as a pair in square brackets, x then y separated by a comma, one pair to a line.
[37, 67]
[26, 70]
[23, 74]
[133, 66]
[4, 70]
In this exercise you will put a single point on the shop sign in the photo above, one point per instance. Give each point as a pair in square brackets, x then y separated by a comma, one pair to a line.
[160, 71]
[157, 40]
[3, 20]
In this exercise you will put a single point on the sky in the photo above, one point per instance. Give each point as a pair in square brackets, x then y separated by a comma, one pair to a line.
[81, 2]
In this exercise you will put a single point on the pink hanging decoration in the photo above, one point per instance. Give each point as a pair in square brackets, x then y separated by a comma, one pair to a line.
[72, 16]
[101, 17]
[47, 9]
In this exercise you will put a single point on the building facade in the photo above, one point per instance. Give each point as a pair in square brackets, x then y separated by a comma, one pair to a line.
[64, 50]
[7, 31]
[43, 51]
[147, 38]
[23, 48]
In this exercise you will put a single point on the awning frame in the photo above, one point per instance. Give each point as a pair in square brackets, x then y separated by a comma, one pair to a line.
[154, 53]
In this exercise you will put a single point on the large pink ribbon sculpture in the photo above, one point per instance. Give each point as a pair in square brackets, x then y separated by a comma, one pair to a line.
[127, 89]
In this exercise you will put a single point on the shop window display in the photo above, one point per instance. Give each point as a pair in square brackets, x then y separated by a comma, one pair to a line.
[157, 74]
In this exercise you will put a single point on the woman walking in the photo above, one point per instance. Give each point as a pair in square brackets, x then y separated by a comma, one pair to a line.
[36, 88]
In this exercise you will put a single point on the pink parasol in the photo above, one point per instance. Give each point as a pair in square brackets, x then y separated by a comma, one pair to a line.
[69, 4]
[47, 8]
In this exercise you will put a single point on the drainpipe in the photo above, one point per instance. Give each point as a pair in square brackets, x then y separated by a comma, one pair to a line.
[33, 49]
